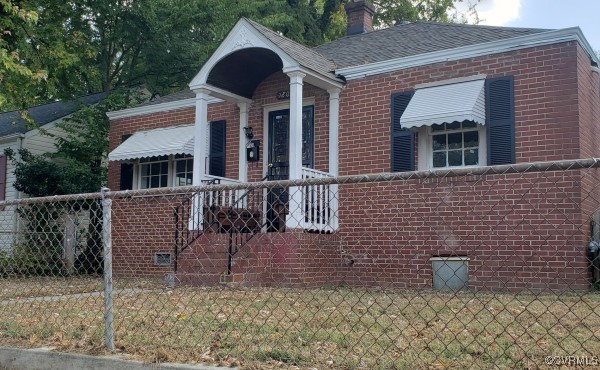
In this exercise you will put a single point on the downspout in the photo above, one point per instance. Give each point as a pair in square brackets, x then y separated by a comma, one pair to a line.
[18, 195]
[19, 147]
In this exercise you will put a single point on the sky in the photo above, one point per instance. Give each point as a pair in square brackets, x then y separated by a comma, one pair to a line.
[552, 14]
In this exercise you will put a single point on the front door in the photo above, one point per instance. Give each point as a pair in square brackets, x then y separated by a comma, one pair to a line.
[278, 168]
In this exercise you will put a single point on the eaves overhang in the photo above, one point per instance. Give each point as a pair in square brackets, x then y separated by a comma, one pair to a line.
[487, 48]
[156, 108]
[245, 48]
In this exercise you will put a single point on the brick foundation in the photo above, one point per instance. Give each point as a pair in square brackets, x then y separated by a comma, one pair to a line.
[520, 232]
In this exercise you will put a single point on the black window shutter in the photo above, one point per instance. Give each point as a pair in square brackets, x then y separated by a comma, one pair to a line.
[500, 120]
[126, 182]
[216, 155]
[403, 140]
[126, 176]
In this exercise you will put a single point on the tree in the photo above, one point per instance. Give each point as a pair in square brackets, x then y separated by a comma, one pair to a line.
[18, 81]
[389, 12]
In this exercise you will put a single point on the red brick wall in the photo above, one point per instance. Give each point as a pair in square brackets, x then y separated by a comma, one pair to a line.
[589, 129]
[546, 105]
[519, 231]
[530, 230]
[142, 227]
[293, 259]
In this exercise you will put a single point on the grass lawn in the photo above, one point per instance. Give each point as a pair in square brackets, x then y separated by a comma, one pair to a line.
[345, 328]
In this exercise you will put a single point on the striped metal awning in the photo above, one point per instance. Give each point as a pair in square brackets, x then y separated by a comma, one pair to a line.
[162, 141]
[446, 104]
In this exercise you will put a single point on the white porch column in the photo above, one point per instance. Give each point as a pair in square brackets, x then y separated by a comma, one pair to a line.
[334, 125]
[295, 157]
[200, 129]
[243, 162]
[294, 216]
[334, 115]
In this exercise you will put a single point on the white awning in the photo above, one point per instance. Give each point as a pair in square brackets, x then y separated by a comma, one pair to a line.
[446, 103]
[162, 141]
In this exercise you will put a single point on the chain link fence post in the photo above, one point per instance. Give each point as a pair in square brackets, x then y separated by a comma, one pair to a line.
[109, 338]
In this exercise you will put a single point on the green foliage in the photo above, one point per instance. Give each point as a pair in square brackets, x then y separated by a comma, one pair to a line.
[19, 82]
[37, 176]
[390, 12]
[26, 260]
[37, 251]
[82, 151]
[67, 49]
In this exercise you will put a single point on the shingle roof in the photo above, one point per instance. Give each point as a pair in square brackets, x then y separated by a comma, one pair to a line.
[306, 57]
[410, 39]
[180, 95]
[403, 40]
[12, 123]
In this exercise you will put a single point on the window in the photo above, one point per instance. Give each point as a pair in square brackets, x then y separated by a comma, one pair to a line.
[184, 165]
[162, 259]
[154, 172]
[158, 172]
[162, 167]
[454, 144]
[452, 132]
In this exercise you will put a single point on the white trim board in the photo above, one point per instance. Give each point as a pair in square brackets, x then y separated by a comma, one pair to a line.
[493, 47]
[155, 108]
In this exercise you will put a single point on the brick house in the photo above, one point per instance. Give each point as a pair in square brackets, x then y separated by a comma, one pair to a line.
[416, 96]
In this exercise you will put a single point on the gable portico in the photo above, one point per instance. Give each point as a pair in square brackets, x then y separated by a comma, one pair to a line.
[247, 56]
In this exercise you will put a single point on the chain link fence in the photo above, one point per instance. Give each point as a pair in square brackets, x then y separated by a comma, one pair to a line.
[492, 267]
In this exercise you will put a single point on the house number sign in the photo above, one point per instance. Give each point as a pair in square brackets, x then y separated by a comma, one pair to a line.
[283, 95]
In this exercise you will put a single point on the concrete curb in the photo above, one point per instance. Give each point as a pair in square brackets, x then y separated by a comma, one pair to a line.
[47, 359]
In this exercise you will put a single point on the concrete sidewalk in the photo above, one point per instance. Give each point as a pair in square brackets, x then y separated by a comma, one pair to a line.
[46, 359]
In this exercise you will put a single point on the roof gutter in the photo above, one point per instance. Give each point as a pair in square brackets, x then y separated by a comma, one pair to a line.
[12, 137]
[155, 108]
[515, 43]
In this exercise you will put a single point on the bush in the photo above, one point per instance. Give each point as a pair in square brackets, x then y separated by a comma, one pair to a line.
[28, 261]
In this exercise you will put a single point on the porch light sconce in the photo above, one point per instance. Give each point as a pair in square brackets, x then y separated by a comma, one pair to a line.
[248, 133]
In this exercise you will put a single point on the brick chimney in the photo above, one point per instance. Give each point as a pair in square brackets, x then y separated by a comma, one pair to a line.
[360, 17]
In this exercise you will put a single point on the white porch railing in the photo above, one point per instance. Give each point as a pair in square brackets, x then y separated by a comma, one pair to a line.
[223, 198]
[319, 205]
[215, 198]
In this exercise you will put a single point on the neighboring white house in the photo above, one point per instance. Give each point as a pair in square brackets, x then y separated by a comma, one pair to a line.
[15, 134]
